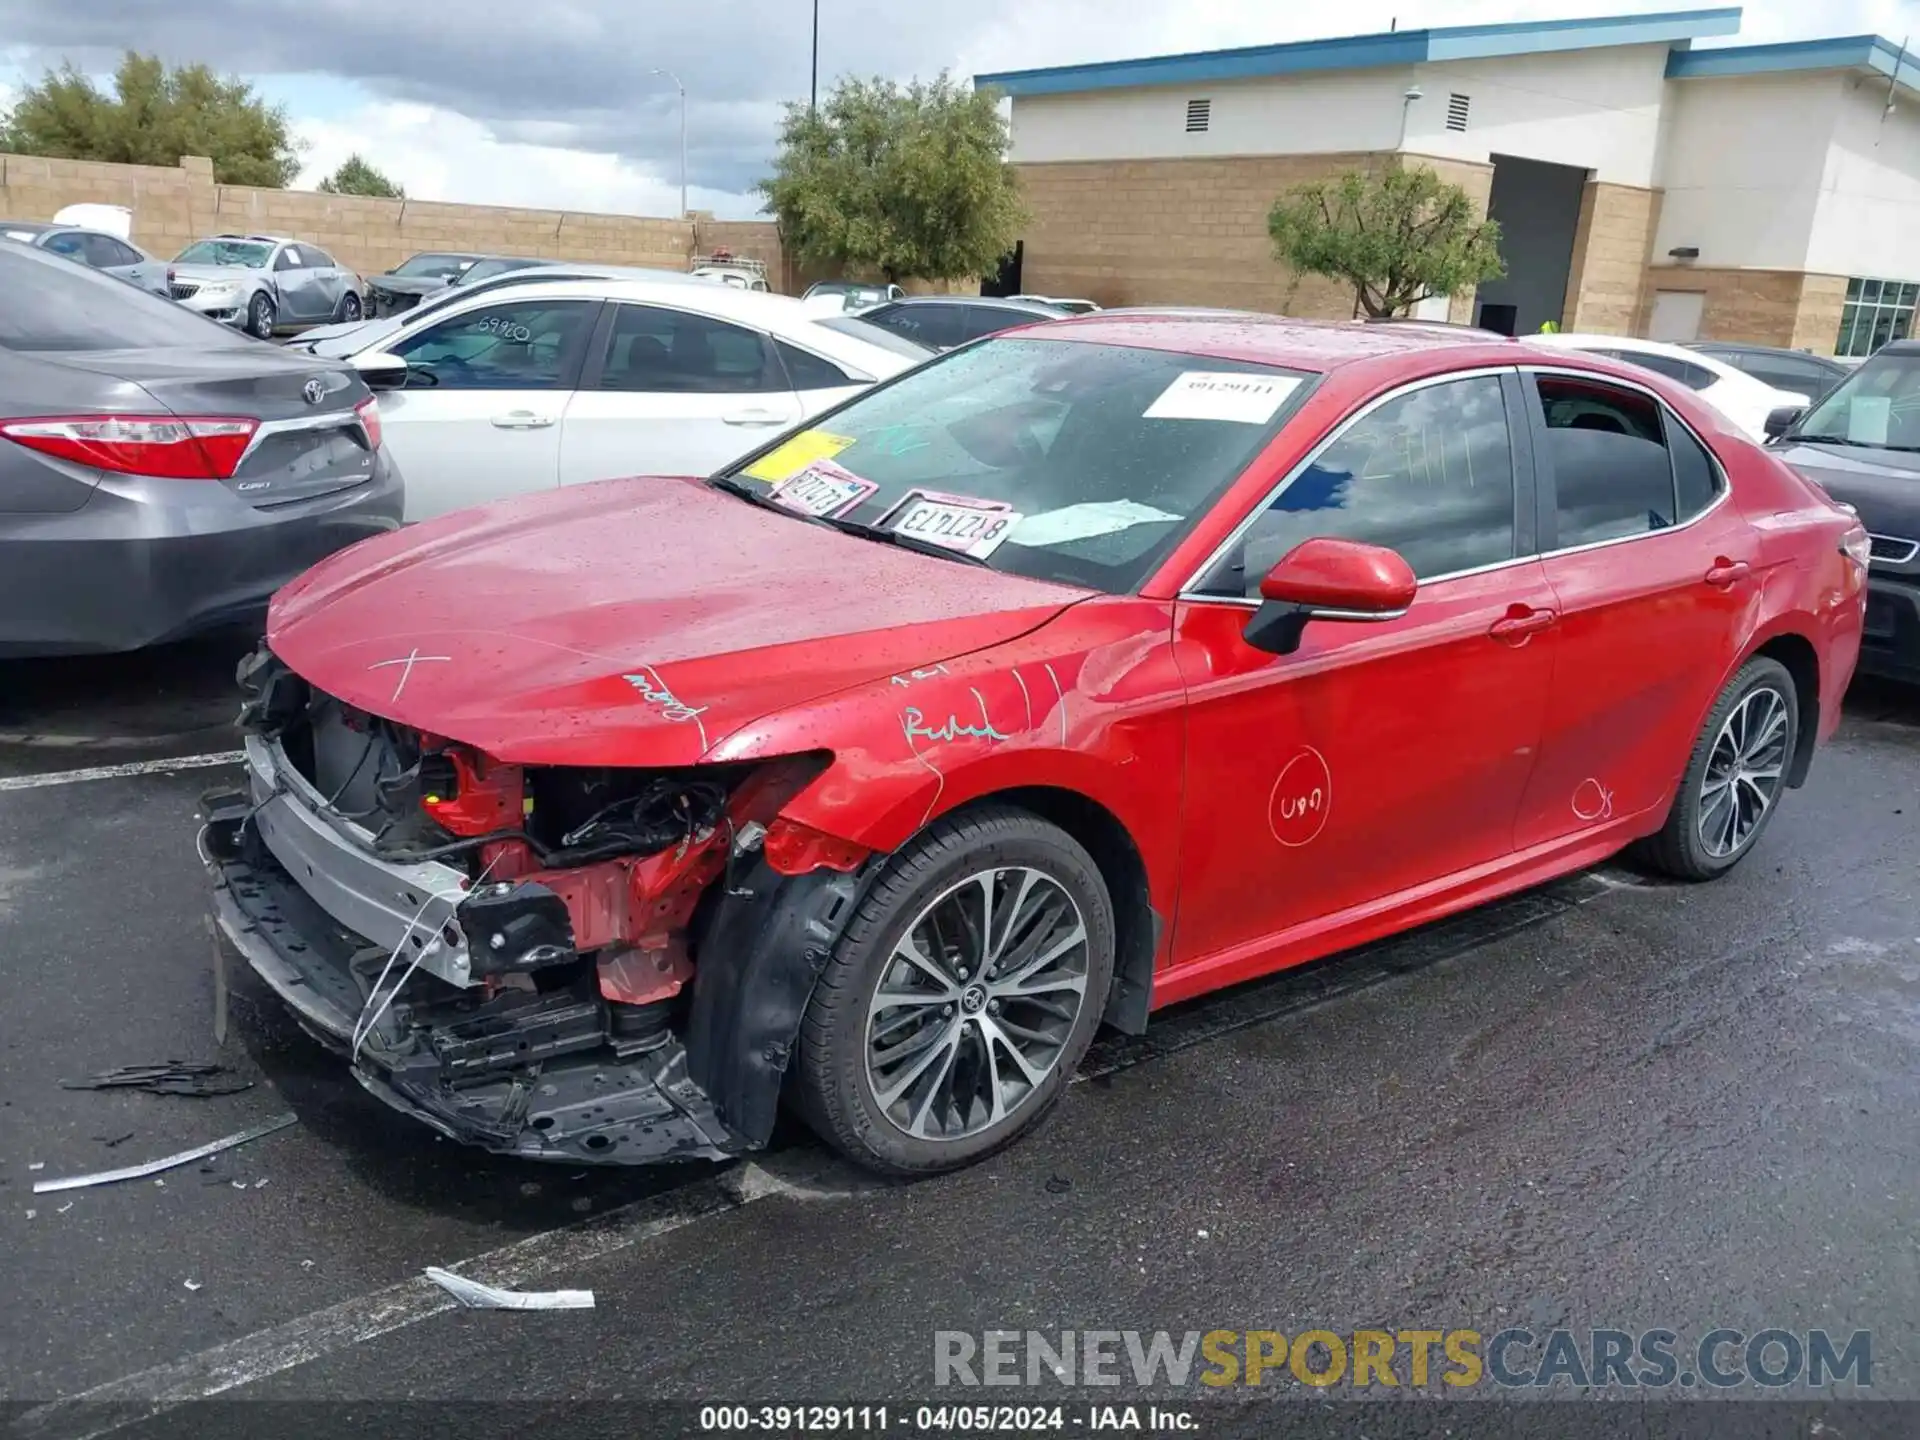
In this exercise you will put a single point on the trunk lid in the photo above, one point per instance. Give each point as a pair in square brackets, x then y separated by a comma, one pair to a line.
[310, 442]
[630, 622]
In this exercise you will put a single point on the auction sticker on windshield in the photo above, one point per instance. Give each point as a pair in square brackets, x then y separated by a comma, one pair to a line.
[974, 528]
[823, 488]
[786, 460]
[1222, 395]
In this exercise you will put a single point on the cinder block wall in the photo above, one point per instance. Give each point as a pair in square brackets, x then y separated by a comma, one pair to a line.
[1794, 308]
[172, 207]
[1190, 231]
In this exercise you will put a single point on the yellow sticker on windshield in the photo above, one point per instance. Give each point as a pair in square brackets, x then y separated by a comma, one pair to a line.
[783, 462]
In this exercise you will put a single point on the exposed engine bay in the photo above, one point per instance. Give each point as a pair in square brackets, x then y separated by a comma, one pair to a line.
[596, 964]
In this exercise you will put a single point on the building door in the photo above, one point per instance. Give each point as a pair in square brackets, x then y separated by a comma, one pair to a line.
[1676, 315]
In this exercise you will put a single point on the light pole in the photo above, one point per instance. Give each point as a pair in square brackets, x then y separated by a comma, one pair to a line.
[813, 95]
[683, 135]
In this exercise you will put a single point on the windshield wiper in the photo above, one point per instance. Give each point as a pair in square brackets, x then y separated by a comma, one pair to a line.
[894, 537]
[846, 527]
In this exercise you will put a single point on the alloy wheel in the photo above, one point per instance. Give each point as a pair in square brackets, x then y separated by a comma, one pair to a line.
[260, 317]
[976, 1002]
[1745, 770]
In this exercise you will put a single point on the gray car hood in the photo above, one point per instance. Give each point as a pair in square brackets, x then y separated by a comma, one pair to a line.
[337, 342]
[1883, 485]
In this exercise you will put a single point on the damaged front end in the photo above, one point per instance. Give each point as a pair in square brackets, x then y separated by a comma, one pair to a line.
[605, 965]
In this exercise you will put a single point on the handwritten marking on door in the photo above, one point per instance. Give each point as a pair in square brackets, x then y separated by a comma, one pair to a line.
[1592, 801]
[1302, 799]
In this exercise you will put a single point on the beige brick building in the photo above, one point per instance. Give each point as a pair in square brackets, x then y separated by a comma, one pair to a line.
[1766, 193]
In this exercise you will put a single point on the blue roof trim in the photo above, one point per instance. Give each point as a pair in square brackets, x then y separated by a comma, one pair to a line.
[1845, 52]
[1359, 52]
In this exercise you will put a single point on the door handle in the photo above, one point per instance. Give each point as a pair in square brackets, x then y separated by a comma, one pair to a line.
[1726, 573]
[521, 420]
[1519, 623]
[757, 417]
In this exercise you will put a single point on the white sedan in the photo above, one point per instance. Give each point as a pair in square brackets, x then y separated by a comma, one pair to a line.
[1738, 396]
[561, 382]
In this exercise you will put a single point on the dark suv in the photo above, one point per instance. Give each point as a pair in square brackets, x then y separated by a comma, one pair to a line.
[1862, 444]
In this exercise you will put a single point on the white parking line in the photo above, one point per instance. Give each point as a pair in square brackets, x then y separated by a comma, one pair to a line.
[134, 1398]
[114, 772]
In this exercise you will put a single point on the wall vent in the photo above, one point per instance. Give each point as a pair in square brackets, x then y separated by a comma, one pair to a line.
[1199, 115]
[1457, 111]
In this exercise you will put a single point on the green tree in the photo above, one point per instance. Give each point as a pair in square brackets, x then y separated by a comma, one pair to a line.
[1398, 236]
[897, 181]
[356, 177]
[153, 117]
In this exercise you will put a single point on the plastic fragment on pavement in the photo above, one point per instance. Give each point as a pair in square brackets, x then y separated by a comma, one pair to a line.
[191, 1284]
[476, 1296]
[153, 1167]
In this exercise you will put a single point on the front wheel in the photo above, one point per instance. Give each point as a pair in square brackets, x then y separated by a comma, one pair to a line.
[966, 989]
[1734, 778]
[349, 308]
[260, 317]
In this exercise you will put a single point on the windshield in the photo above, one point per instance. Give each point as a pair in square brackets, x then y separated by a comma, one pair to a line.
[1877, 405]
[487, 269]
[868, 333]
[1060, 461]
[253, 254]
[433, 267]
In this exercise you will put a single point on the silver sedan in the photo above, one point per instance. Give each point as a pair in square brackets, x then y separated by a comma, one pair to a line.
[264, 283]
[120, 258]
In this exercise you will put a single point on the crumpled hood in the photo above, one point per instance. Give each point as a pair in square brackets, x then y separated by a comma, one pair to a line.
[208, 274]
[630, 622]
[1883, 485]
[407, 284]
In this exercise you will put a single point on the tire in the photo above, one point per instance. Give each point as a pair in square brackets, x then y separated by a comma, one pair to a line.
[847, 1093]
[1700, 841]
[260, 313]
[349, 308]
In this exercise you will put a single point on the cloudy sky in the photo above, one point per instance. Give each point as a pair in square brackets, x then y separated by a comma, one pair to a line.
[553, 102]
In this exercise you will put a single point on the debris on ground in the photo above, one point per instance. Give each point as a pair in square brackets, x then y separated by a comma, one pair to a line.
[37, 1165]
[112, 1140]
[173, 1077]
[151, 1167]
[64, 1208]
[32, 1213]
[191, 1284]
[475, 1296]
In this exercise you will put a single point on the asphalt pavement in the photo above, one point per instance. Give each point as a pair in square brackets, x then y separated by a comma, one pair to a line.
[1605, 1103]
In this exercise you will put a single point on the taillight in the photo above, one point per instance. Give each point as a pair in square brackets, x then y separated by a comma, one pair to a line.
[172, 448]
[369, 412]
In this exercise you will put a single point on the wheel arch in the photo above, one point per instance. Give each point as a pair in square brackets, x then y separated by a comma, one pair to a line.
[1793, 650]
[1138, 927]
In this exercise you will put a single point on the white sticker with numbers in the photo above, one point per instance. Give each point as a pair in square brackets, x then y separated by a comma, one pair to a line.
[1222, 395]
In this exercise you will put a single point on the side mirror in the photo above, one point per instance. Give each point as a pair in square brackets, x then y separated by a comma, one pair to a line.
[1783, 419]
[1328, 579]
[381, 370]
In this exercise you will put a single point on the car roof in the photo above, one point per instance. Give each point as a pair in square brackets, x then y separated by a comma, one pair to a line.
[263, 239]
[994, 302]
[1311, 345]
[37, 226]
[722, 301]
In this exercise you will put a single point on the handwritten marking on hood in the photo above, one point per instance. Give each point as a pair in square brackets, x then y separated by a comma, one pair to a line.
[407, 661]
[912, 675]
[654, 691]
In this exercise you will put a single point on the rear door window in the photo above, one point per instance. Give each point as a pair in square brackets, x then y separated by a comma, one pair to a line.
[528, 345]
[808, 371]
[661, 350]
[1605, 447]
[1694, 377]
[980, 320]
[935, 326]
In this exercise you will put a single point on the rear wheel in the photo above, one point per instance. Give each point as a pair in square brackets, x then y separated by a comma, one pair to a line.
[963, 994]
[1734, 778]
[260, 311]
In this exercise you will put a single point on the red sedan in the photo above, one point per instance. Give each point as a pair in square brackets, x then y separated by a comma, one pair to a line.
[1069, 676]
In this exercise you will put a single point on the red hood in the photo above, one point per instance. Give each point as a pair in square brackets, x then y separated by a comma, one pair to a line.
[633, 622]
